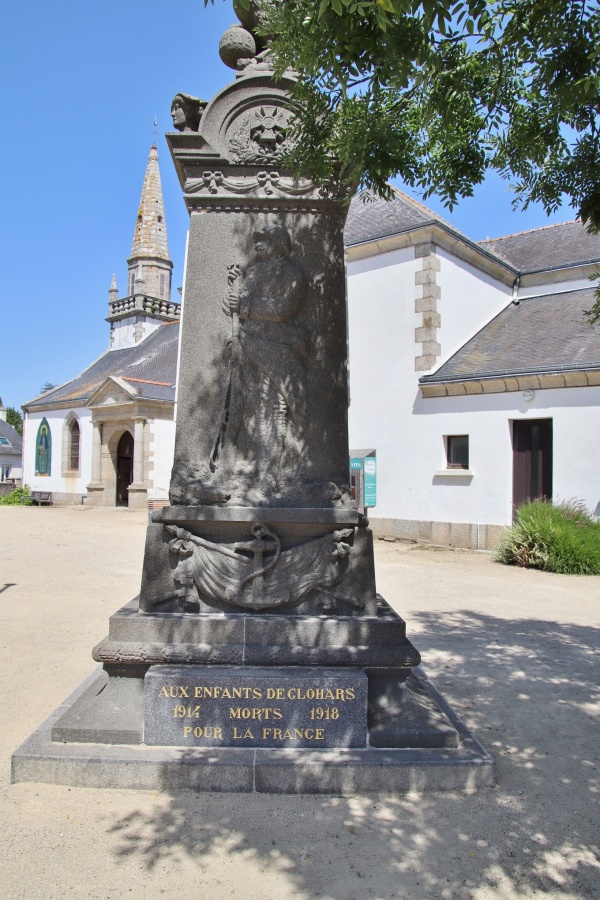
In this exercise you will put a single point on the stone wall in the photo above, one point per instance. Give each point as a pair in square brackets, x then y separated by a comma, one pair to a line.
[463, 535]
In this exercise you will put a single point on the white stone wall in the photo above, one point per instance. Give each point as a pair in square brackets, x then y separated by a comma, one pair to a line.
[162, 448]
[469, 300]
[129, 332]
[382, 325]
[388, 413]
[486, 495]
[538, 290]
[56, 481]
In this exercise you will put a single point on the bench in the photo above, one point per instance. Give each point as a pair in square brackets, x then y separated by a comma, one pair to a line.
[42, 497]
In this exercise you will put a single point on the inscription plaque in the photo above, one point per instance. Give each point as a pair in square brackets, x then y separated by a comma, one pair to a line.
[237, 706]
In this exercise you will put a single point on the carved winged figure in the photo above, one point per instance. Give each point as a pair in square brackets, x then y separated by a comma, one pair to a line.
[255, 574]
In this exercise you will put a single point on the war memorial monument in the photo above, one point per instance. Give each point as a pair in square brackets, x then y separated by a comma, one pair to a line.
[258, 655]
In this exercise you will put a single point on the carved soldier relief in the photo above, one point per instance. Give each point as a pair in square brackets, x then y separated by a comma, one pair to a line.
[263, 416]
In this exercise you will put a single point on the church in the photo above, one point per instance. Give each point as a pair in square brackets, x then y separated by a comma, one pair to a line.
[106, 438]
[474, 375]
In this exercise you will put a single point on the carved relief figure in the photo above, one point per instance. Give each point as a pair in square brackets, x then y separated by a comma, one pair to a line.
[259, 437]
[186, 112]
[268, 352]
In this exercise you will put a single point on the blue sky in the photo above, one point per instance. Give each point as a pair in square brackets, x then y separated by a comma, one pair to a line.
[81, 85]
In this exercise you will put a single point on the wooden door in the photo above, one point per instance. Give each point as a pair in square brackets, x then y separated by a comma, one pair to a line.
[532, 460]
[124, 468]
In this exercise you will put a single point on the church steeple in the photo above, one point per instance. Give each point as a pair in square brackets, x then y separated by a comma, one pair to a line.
[149, 259]
[148, 302]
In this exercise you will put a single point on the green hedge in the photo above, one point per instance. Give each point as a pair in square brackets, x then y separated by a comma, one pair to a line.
[560, 537]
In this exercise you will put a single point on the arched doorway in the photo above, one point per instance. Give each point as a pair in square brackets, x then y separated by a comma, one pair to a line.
[124, 468]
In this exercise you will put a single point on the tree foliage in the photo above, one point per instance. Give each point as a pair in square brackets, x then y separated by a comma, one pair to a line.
[14, 418]
[439, 92]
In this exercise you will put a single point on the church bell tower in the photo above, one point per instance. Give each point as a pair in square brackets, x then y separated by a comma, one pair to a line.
[148, 301]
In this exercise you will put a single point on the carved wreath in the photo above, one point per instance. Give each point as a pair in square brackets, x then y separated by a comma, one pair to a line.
[261, 136]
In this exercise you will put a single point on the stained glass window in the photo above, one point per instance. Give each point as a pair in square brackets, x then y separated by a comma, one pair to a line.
[43, 449]
[74, 445]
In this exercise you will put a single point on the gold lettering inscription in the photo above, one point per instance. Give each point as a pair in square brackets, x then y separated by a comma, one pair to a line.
[247, 734]
[216, 692]
[248, 712]
[275, 694]
[192, 712]
[174, 691]
[324, 712]
[205, 731]
[306, 734]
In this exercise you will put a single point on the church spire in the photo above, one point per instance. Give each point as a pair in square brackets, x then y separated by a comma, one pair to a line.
[150, 235]
[150, 250]
[148, 302]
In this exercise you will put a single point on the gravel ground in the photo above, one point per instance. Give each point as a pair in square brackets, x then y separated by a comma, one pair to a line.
[515, 652]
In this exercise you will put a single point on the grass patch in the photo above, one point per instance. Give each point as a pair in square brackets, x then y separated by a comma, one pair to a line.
[554, 537]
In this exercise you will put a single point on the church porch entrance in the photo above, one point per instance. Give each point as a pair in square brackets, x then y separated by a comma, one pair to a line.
[124, 468]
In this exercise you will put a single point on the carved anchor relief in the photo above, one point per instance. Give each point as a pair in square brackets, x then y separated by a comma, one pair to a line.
[256, 574]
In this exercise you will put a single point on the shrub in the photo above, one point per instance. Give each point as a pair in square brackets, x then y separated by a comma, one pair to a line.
[20, 496]
[559, 537]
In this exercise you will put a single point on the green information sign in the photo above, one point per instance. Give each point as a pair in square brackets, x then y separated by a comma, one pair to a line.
[370, 481]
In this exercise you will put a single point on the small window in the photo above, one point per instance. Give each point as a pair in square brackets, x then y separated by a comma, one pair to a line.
[457, 451]
[162, 286]
[5, 442]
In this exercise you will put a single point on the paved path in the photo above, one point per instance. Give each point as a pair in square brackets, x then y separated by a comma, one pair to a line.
[515, 652]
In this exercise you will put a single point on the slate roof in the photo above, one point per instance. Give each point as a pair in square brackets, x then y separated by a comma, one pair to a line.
[377, 218]
[541, 334]
[15, 447]
[550, 247]
[150, 367]
[546, 248]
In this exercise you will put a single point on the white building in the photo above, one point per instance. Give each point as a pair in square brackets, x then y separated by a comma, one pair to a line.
[10, 454]
[473, 375]
[473, 371]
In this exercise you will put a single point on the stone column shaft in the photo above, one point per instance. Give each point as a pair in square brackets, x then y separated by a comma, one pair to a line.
[97, 453]
[138, 451]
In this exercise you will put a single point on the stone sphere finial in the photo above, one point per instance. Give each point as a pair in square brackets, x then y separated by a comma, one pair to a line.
[236, 44]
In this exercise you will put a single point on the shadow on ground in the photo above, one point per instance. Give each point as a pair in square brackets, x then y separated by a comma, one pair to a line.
[529, 690]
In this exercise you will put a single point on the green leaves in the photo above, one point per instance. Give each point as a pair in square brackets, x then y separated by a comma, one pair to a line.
[438, 92]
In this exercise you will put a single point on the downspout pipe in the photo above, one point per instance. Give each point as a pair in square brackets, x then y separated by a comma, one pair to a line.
[515, 291]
